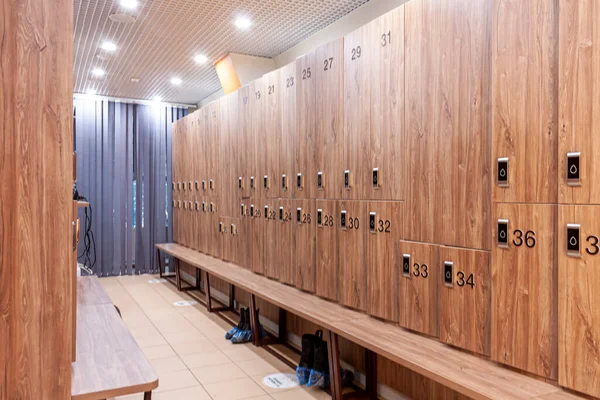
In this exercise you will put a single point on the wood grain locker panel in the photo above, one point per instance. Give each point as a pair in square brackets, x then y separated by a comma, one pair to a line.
[246, 153]
[258, 236]
[286, 271]
[217, 151]
[329, 124]
[237, 233]
[258, 137]
[215, 242]
[419, 286]
[579, 299]
[186, 221]
[287, 153]
[387, 141]
[352, 254]
[524, 99]
[579, 100]
[245, 234]
[273, 127]
[524, 278]
[304, 224]
[175, 152]
[227, 181]
[465, 303]
[327, 274]
[463, 147]
[358, 53]
[271, 254]
[306, 147]
[225, 238]
[203, 226]
[384, 221]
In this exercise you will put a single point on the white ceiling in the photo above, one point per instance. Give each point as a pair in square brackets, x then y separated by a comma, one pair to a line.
[167, 34]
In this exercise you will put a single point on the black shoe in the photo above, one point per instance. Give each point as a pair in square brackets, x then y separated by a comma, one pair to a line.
[319, 374]
[307, 357]
[244, 334]
[230, 333]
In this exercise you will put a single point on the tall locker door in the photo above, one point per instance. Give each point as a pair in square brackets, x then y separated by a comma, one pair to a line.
[246, 146]
[184, 182]
[273, 126]
[579, 102]
[258, 235]
[352, 231]
[198, 160]
[218, 150]
[465, 296]
[285, 242]
[422, 65]
[463, 175]
[524, 101]
[204, 231]
[271, 220]
[304, 225]
[306, 147]
[175, 153]
[524, 298]
[387, 143]
[215, 231]
[236, 232]
[358, 53]
[226, 187]
[244, 242]
[259, 139]
[579, 298]
[327, 274]
[329, 114]
[419, 269]
[287, 153]
[228, 245]
[384, 221]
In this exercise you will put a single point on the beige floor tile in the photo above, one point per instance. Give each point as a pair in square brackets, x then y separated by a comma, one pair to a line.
[156, 352]
[223, 344]
[218, 373]
[263, 366]
[191, 393]
[234, 389]
[193, 346]
[183, 336]
[198, 360]
[241, 352]
[176, 380]
[169, 364]
[265, 397]
[173, 326]
[155, 339]
[301, 394]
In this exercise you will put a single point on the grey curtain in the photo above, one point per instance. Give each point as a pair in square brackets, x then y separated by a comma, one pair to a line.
[124, 170]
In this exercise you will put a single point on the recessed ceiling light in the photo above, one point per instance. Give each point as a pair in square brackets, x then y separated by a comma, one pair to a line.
[131, 4]
[158, 99]
[98, 72]
[92, 92]
[176, 81]
[200, 59]
[108, 46]
[135, 79]
[243, 23]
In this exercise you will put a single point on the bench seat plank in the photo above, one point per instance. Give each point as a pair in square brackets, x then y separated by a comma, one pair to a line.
[91, 292]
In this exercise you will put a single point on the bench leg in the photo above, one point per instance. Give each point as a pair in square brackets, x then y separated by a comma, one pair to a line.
[207, 291]
[282, 336]
[178, 274]
[335, 371]
[371, 373]
[198, 279]
[160, 267]
[231, 297]
[148, 396]
[254, 321]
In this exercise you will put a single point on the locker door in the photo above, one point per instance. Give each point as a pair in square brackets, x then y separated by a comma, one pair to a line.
[258, 138]
[326, 221]
[358, 53]
[215, 233]
[329, 113]
[387, 142]
[186, 240]
[465, 299]
[204, 225]
[579, 102]
[305, 147]
[384, 221]
[237, 234]
[175, 152]
[287, 154]
[218, 150]
[352, 231]
[226, 239]
[524, 298]
[270, 238]
[304, 224]
[244, 225]
[285, 242]
[579, 298]
[198, 161]
[419, 269]
[246, 152]
[273, 94]
[258, 236]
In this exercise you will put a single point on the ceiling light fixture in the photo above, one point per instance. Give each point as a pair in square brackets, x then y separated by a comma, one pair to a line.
[135, 79]
[200, 59]
[92, 92]
[243, 23]
[98, 72]
[176, 81]
[130, 4]
[157, 99]
[108, 46]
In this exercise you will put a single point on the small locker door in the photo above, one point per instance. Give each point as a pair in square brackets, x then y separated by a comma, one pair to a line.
[305, 147]
[258, 139]
[329, 112]
[384, 221]
[271, 220]
[419, 269]
[285, 242]
[261, 214]
[215, 230]
[273, 126]
[203, 225]
[579, 298]
[245, 233]
[246, 152]
[287, 154]
[465, 298]
[226, 245]
[327, 274]
[524, 272]
[304, 225]
[352, 231]
[236, 231]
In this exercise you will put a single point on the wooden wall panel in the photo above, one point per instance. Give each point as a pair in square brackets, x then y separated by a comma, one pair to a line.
[246, 157]
[258, 235]
[271, 220]
[284, 242]
[419, 285]
[175, 140]
[304, 225]
[216, 241]
[327, 274]
[524, 94]
[238, 235]
[273, 127]
[524, 296]
[579, 300]
[227, 185]
[382, 261]
[329, 114]
[579, 99]
[306, 147]
[352, 254]
[287, 87]
[245, 222]
[465, 305]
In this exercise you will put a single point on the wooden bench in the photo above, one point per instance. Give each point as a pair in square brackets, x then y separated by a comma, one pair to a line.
[109, 361]
[464, 373]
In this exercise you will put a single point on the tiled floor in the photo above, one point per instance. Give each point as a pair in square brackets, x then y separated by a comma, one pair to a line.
[187, 348]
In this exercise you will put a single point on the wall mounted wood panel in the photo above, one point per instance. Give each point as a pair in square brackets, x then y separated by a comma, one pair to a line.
[271, 254]
[327, 249]
[305, 231]
[246, 157]
[227, 183]
[259, 139]
[258, 235]
[273, 126]
[287, 153]
[352, 231]
[245, 222]
[285, 264]
[217, 151]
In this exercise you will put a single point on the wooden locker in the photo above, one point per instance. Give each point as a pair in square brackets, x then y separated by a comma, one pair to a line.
[273, 127]
[419, 274]
[197, 148]
[384, 220]
[306, 147]
[524, 278]
[175, 152]
[229, 152]
[326, 221]
[422, 65]
[524, 100]
[287, 154]
[215, 235]
[204, 225]
[236, 232]
[463, 175]
[579, 298]
[217, 153]
[246, 145]
[258, 235]
[285, 242]
[328, 109]
[352, 231]
[271, 211]
[579, 102]
[257, 168]
[186, 240]
[387, 141]
[245, 230]
[304, 225]
[465, 296]
[358, 53]
[226, 239]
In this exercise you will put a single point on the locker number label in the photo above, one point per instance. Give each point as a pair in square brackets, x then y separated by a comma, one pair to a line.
[327, 64]
[356, 53]
[348, 222]
[386, 39]
[324, 219]
[375, 225]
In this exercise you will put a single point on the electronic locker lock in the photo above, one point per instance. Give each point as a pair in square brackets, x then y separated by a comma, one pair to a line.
[220, 227]
[448, 273]
[204, 185]
[190, 205]
[197, 206]
[573, 238]
[502, 232]
[376, 178]
[190, 186]
[320, 217]
[299, 182]
[502, 172]
[211, 184]
[266, 212]
[299, 215]
[573, 169]
[347, 183]
[281, 214]
[266, 182]
[284, 185]
[320, 180]
[243, 210]
[372, 223]
[241, 183]
[203, 206]
[233, 230]
[251, 183]
[406, 265]
[197, 185]
[252, 210]
[343, 219]
[173, 185]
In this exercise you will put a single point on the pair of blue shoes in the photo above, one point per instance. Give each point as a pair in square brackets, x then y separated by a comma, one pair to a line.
[242, 333]
[313, 369]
